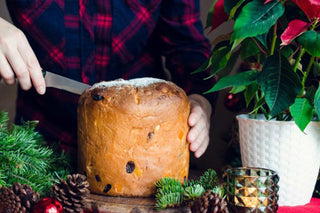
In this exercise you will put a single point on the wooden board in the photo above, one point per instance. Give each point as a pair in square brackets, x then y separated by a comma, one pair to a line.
[106, 204]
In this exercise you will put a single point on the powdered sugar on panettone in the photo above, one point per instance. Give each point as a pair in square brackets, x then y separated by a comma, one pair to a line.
[136, 82]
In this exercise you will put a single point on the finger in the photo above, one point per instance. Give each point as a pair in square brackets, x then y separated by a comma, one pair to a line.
[19, 68]
[201, 149]
[5, 71]
[195, 115]
[196, 130]
[33, 65]
[203, 135]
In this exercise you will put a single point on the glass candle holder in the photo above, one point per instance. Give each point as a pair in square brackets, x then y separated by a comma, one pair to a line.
[252, 190]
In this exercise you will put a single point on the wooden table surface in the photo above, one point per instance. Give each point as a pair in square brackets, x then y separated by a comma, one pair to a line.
[107, 204]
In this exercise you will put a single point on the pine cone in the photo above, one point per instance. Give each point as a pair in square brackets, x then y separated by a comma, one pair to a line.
[209, 202]
[17, 198]
[72, 193]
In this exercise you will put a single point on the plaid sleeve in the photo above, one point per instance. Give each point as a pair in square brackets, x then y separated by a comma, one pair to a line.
[184, 45]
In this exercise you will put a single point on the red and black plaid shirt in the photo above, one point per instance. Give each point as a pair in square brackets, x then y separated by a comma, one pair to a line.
[98, 40]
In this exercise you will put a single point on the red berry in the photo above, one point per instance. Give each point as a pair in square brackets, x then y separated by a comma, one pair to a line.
[234, 102]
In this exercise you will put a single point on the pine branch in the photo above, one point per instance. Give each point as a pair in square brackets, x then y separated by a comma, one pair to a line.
[209, 179]
[169, 193]
[167, 181]
[192, 192]
[168, 200]
[25, 159]
[190, 183]
[4, 118]
[219, 190]
[1, 179]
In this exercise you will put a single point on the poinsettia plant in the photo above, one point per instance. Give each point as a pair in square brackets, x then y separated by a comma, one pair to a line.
[280, 43]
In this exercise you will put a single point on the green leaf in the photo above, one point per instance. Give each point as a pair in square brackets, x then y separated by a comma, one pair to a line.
[220, 59]
[310, 92]
[210, 14]
[250, 92]
[242, 78]
[316, 69]
[204, 66]
[217, 61]
[302, 112]
[230, 64]
[237, 89]
[317, 102]
[263, 39]
[256, 18]
[286, 51]
[258, 105]
[310, 40]
[279, 83]
[234, 7]
[236, 43]
[249, 48]
[229, 4]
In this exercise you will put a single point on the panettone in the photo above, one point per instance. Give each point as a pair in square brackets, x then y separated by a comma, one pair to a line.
[131, 134]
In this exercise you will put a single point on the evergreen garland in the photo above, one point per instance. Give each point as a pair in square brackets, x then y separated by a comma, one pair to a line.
[24, 158]
[209, 179]
[168, 200]
[169, 193]
[172, 193]
[192, 192]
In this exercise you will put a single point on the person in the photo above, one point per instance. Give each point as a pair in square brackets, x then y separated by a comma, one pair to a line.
[93, 41]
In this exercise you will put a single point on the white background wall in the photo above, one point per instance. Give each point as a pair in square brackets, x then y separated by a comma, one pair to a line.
[215, 155]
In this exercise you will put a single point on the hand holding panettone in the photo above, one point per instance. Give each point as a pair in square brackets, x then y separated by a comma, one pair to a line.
[199, 122]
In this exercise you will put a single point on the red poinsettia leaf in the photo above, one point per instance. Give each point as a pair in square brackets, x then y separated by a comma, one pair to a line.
[310, 7]
[295, 28]
[219, 15]
[316, 2]
[267, 1]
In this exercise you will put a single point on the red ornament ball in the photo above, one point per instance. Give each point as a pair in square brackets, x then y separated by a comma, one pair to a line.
[234, 102]
[47, 205]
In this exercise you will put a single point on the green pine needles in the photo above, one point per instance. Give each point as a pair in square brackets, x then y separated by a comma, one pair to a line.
[209, 179]
[172, 193]
[169, 193]
[191, 192]
[24, 158]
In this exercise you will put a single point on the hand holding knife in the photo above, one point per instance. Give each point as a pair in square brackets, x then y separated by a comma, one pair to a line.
[61, 82]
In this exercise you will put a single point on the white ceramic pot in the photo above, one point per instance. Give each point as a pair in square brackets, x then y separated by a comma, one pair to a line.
[281, 146]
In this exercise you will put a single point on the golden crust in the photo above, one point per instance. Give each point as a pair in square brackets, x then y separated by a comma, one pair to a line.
[131, 136]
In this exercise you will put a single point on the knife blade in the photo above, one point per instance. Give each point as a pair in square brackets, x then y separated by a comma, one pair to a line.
[61, 82]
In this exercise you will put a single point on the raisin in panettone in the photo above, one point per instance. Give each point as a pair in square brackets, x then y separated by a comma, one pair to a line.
[131, 134]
